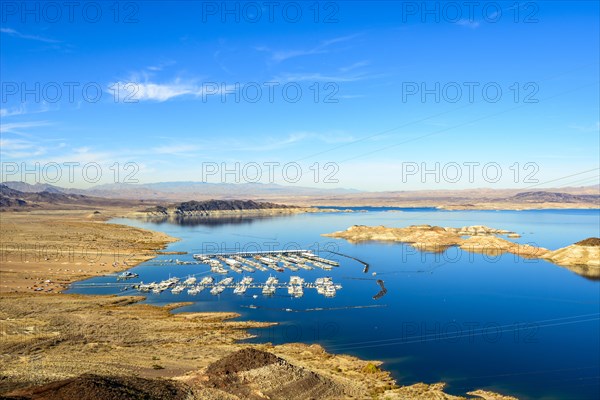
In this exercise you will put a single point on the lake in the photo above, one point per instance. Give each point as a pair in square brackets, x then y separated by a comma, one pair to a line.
[526, 328]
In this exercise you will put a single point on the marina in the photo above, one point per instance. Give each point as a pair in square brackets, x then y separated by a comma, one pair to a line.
[276, 260]
[362, 310]
[295, 286]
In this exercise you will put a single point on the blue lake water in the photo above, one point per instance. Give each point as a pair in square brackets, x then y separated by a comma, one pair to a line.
[522, 327]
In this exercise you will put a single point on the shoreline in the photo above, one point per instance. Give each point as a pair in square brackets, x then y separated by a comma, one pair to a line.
[582, 258]
[69, 246]
[61, 360]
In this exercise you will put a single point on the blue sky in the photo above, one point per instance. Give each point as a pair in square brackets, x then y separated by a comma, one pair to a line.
[368, 61]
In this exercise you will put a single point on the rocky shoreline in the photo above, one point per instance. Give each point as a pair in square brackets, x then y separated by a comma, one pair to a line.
[57, 344]
[582, 257]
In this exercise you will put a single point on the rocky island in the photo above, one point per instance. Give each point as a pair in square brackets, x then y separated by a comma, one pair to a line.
[582, 257]
[221, 208]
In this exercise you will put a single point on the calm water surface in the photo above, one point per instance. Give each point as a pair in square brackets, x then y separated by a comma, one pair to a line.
[521, 327]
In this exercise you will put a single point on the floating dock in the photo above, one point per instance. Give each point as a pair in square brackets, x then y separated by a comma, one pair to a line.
[251, 253]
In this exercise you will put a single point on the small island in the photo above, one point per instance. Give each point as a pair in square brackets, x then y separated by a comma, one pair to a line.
[582, 257]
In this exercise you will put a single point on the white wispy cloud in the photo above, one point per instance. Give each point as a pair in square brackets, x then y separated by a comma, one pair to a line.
[17, 34]
[22, 110]
[175, 149]
[160, 66]
[321, 48]
[586, 128]
[318, 77]
[147, 90]
[20, 148]
[19, 127]
[468, 23]
[5, 112]
[354, 66]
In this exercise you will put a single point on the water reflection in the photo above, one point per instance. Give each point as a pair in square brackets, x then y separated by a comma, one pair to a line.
[184, 220]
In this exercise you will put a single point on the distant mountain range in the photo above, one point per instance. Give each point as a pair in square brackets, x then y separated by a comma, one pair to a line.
[164, 193]
[181, 191]
[53, 198]
[553, 197]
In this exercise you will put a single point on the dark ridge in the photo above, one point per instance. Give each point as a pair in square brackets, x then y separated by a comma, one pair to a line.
[281, 380]
[243, 360]
[8, 192]
[226, 205]
[156, 209]
[51, 198]
[589, 242]
[554, 197]
[95, 387]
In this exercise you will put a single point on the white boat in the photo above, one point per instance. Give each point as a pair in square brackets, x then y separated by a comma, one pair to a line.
[127, 275]
[296, 260]
[146, 287]
[218, 269]
[329, 291]
[240, 289]
[271, 280]
[268, 290]
[298, 291]
[170, 282]
[207, 280]
[246, 280]
[232, 263]
[195, 290]
[236, 269]
[225, 282]
[290, 289]
[177, 289]
[296, 280]
[247, 268]
[189, 281]
[323, 281]
[217, 290]
[291, 267]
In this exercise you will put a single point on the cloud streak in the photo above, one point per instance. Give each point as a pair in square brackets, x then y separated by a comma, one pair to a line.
[17, 34]
[324, 47]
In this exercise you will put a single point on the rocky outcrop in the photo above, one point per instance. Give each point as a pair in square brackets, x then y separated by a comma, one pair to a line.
[582, 257]
[254, 374]
[91, 386]
[426, 237]
[493, 245]
[423, 391]
[219, 208]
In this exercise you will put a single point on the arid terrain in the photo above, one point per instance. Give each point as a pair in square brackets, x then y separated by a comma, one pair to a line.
[54, 345]
[44, 250]
[168, 195]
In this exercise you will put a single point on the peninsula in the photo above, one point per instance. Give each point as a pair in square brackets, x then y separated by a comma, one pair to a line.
[582, 257]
